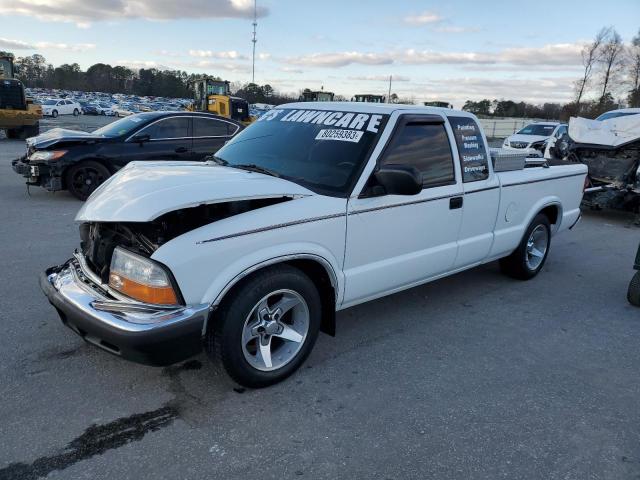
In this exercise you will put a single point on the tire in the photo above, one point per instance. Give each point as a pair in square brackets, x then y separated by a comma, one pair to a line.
[54, 113]
[102, 113]
[528, 259]
[83, 178]
[633, 293]
[236, 331]
[27, 131]
[12, 133]
[75, 112]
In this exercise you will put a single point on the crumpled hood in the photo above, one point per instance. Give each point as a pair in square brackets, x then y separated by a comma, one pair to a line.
[143, 191]
[526, 138]
[56, 135]
[613, 132]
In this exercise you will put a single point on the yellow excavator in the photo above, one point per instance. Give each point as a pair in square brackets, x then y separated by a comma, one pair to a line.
[214, 96]
[19, 116]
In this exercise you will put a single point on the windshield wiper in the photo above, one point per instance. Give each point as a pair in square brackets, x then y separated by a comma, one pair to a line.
[218, 160]
[252, 167]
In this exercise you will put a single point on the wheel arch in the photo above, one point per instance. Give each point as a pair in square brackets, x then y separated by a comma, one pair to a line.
[551, 207]
[319, 270]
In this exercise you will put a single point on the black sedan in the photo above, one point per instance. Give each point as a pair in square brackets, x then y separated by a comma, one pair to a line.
[79, 161]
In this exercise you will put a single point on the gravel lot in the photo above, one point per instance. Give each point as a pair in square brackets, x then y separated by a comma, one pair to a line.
[472, 377]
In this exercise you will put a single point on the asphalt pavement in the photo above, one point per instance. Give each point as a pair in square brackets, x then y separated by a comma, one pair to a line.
[475, 376]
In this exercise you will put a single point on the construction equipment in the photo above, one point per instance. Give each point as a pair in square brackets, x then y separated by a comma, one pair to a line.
[316, 96]
[365, 97]
[214, 96]
[19, 116]
[438, 104]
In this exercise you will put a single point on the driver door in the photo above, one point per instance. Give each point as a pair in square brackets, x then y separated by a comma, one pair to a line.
[396, 241]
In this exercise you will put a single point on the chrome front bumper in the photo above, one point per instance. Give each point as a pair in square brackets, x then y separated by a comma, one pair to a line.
[149, 334]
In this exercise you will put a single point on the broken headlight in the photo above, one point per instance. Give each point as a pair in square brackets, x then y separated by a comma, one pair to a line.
[45, 155]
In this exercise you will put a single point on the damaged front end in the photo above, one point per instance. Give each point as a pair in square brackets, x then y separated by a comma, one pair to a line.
[99, 239]
[92, 304]
[614, 177]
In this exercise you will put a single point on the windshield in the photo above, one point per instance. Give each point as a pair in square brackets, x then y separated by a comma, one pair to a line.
[534, 129]
[321, 150]
[123, 126]
[50, 102]
[5, 66]
[610, 115]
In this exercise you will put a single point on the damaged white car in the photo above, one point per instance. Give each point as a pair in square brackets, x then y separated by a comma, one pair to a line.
[314, 208]
[610, 147]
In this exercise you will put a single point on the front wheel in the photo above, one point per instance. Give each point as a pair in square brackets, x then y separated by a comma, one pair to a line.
[267, 327]
[76, 112]
[54, 114]
[633, 294]
[527, 260]
[82, 179]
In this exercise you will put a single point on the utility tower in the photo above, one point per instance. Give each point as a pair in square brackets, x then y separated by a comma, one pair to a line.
[254, 40]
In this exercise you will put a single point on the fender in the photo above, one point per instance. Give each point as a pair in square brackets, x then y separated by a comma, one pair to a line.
[335, 282]
[234, 272]
[550, 201]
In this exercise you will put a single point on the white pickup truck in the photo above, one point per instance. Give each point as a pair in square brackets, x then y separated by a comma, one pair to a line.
[314, 208]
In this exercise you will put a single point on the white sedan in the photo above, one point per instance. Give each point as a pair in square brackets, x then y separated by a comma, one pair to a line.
[54, 107]
[531, 139]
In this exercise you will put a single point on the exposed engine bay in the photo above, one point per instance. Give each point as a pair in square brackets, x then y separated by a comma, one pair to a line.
[611, 151]
[99, 239]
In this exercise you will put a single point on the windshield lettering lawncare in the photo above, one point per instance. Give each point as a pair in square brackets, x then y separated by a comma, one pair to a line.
[348, 120]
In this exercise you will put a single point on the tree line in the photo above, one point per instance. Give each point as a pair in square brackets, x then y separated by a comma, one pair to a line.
[610, 73]
[34, 71]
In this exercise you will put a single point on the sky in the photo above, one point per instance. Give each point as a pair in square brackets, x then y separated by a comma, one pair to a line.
[434, 50]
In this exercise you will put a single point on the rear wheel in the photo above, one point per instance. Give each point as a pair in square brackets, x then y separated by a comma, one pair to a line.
[82, 179]
[633, 294]
[76, 112]
[267, 327]
[527, 260]
[12, 133]
[27, 131]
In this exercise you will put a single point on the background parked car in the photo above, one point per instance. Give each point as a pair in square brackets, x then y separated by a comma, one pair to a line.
[80, 161]
[105, 109]
[54, 107]
[89, 108]
[531, 138]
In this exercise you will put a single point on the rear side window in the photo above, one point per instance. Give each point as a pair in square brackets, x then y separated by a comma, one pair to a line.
[209, 127]
[176, 127]
[425, 147]
[474, 160]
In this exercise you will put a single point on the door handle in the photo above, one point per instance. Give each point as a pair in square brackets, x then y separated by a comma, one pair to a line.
[455, 202]
[181, 150]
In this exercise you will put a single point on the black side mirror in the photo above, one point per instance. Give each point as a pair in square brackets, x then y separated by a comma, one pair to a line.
[141, 138]
[399, 179]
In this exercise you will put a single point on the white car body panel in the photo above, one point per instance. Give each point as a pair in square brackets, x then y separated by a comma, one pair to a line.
[143, 191]
[373, 246]
[205, 260]
[613, 132]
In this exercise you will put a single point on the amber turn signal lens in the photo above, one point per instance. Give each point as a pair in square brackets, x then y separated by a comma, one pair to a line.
[141, 292]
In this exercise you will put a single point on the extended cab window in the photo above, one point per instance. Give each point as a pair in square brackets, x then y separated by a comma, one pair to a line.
[426, 147]
[209, 127]
[176, 127]
[474, 160]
